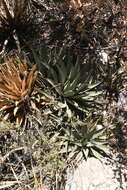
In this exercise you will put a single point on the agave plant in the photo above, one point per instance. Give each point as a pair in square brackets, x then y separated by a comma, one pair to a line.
[19, 90]
[82, 139]
[15, 21]
[74, 87]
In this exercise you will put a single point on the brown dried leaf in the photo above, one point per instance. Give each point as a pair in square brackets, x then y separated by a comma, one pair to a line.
[75, 4]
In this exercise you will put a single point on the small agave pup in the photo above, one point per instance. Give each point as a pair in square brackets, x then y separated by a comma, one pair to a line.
[18, 90]
[82, 139]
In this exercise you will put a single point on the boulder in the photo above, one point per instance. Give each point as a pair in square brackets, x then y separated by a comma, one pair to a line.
[95, 174]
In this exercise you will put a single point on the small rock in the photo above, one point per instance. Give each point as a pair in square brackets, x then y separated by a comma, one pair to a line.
[95, 174]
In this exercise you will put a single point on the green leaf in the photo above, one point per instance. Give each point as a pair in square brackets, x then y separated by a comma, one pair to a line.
[62, 72]
[82, 86]
[86, 152]
[71, 155]
[74, 83]
[98, 134]
[102, 147]
[91, 86]
[96, 154]
[89, 144]
[69, 93]
[79, 156]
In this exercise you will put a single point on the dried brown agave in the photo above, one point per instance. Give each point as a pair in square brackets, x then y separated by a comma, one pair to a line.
[16, 17]
[18, 90]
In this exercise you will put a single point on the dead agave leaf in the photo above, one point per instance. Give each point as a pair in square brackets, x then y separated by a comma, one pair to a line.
[3, 159]
[31, 77]
[20, 119]
[7, 116]
[45, 101]
[6, 184]
[125, 85]
[125, 108]
[75, 4]
[15, 110]
[33, 105]
[6, 8]
[6, 107]
[22, 68]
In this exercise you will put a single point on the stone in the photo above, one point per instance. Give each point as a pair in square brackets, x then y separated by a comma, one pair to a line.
[95, 174]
